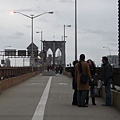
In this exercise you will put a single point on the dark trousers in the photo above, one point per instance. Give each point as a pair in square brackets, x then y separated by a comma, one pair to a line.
[92, 92]
[81, 96]
[75, 97]
[108, 94]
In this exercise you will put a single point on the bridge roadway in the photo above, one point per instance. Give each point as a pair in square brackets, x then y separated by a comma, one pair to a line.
[49, 98]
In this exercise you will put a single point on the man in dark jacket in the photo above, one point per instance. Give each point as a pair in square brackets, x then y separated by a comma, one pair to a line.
[74, 84]
[107, 76]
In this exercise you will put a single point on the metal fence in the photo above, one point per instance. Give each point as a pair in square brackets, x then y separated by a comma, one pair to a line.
[116, 74]
[8, 72]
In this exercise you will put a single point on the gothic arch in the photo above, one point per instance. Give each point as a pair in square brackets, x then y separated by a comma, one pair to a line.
[54, 45]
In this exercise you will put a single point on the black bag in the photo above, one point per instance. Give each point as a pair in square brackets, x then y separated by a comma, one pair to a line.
[94, 82]
[83, 77]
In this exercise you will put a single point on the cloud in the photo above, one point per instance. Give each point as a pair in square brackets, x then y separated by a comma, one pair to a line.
[97, 24]
[61, 1]
[85, 31]
[16, 35]
[51, 1]
[20, 34]
[1, 27]
[24, 10]
[66, 1]
[30, 10]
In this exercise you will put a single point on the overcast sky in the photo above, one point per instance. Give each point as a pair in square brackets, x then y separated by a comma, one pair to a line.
[97, 25]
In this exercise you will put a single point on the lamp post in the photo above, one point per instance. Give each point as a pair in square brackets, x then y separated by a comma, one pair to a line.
[41, 33]
[108, 49]
[32, 17]
[4, 53]
[75, 29]
[109, 52]
[64, 44]
[41, 38]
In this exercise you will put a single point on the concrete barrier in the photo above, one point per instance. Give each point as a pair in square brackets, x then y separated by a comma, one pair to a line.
[5, 84]
[115, 97]
[48, 73]
[114, 94]
[67, 74]
[0, 86]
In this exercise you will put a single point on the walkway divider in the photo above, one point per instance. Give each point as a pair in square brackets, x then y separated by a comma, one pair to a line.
[39, 113]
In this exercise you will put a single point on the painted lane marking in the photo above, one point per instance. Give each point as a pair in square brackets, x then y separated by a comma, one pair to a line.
[39, 112]
[63, 83]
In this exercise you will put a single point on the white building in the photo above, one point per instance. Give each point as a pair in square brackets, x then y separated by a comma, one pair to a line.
[113, 60]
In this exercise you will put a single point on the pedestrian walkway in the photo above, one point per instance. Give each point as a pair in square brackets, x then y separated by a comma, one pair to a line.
[49, 98]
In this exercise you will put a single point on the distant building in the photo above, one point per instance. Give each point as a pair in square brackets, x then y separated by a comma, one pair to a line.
[113, 60]
[35, 54]
[49, 60]
[7, 62]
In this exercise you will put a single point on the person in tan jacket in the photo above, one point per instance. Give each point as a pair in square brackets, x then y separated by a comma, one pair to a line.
[82, 89]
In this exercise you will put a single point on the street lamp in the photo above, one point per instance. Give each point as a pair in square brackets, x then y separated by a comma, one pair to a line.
[109, 51]
[32, 17]
[4, 53]
[64, 44]
[75, 29]
[41, 38]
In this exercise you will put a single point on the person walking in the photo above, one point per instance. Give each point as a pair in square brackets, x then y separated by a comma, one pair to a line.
[74, 83]
[107, 76]
[82, 88]
[94, 83]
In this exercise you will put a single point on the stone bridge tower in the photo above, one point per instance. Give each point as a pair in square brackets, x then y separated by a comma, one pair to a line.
[54, 45]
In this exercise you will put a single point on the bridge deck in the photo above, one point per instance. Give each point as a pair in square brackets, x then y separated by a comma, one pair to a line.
[29, 101]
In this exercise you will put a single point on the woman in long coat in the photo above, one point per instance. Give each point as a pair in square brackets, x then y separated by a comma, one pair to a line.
[82, 89]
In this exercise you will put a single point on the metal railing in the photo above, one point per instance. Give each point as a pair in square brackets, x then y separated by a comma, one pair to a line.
[116, 74]
[8, 72]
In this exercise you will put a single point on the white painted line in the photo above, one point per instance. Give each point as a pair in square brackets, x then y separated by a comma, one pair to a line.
[63, 83]
[39, 112]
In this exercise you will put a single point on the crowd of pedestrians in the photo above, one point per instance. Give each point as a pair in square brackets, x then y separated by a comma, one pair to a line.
[82, 90]
[57, 69]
